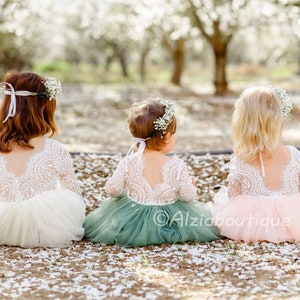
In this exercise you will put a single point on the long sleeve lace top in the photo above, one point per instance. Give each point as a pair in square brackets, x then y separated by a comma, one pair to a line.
[46, 170]
[245, 179]
[128, 178]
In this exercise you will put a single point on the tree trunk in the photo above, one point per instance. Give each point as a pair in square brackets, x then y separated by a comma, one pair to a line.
[219, 42]
[123, 63]
[298, 57]
[221, 85]
[178, 56]
[144, 54]
[108, 61]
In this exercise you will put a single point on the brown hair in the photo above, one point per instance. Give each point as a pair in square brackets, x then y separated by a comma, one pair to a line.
[34, 115]
[141, 118]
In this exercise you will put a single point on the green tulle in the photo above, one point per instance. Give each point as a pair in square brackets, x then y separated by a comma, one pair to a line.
[123, 222]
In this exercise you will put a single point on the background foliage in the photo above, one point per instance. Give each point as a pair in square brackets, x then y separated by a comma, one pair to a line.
[182, 41]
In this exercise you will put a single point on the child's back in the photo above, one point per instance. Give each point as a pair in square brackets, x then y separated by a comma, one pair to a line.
[278, 175]
[40, 199]
[152, 193]
[157, 182]
[262, 200]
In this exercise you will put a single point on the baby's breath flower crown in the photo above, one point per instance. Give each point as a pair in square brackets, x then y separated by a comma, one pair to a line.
[286, 105]
[163, 122]
[53, 88]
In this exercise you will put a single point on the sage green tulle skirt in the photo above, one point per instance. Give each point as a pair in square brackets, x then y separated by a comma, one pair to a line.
[123, 222]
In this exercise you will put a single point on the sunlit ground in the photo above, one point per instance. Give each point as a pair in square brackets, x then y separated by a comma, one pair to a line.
[94, 118]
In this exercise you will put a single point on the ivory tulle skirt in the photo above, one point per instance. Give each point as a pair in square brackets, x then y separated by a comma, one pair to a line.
[129, 224]
[51, 219]
[253, 219]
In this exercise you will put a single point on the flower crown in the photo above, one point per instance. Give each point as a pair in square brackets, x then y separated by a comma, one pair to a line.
[52, 89]
[285, 103]
[163, 122]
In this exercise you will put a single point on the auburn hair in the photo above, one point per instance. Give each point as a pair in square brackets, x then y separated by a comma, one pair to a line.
[34, 115]
[141, 118]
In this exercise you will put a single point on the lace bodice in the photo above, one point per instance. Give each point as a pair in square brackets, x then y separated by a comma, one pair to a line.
[128, 177]
[45, 171]
[245, 179]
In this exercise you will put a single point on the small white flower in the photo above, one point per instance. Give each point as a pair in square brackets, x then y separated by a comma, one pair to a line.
[53, 88]
[286, 105]
[163, 122]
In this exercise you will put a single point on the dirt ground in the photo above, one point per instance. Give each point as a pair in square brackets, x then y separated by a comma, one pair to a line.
[93, 127]
[94, 119]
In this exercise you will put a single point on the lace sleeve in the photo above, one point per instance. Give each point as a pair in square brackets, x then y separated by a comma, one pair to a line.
[115, 185]
[297, 154]
[234, 188]
[299, 182]
[186, 190]
[234, 183]
[67, 175]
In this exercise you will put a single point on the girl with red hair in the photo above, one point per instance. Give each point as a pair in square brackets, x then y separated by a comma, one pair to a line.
[40, 199]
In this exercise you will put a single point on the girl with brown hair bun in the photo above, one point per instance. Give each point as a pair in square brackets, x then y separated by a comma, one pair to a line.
[153, 196]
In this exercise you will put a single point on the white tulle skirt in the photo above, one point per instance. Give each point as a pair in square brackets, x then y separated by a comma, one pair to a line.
[51, 219]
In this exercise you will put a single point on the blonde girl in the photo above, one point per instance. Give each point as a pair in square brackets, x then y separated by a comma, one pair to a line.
[262, 200]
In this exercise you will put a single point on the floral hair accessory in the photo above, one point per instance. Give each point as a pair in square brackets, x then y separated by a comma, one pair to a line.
[163, 122]
[53, 88]
[52, 85]
[286, 105]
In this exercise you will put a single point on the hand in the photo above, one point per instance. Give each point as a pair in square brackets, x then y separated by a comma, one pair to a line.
[193, 180]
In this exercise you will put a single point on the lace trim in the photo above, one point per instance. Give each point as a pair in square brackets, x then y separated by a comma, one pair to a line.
[128, 178]
[152, 203]
[46, 170]
[246, 179]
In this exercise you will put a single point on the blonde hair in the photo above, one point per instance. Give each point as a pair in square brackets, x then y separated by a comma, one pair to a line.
[141, 123]
[256, 123]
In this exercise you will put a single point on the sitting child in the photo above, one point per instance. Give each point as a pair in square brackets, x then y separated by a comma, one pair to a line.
[152, 193]
[262, 200]
[40, 199]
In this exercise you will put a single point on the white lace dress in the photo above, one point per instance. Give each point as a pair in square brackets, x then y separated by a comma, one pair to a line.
[139, 214]
[43, 207]
[247, 210]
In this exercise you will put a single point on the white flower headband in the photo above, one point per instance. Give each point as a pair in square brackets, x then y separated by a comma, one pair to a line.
[52, 85]
[286, 105]
[163, 122]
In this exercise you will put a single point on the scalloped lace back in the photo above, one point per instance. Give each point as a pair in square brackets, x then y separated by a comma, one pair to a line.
[129, 177]
[44, 171]
[251, 181]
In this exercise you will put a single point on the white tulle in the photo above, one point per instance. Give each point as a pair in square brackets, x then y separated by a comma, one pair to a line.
[43, 207]
[50, 219]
